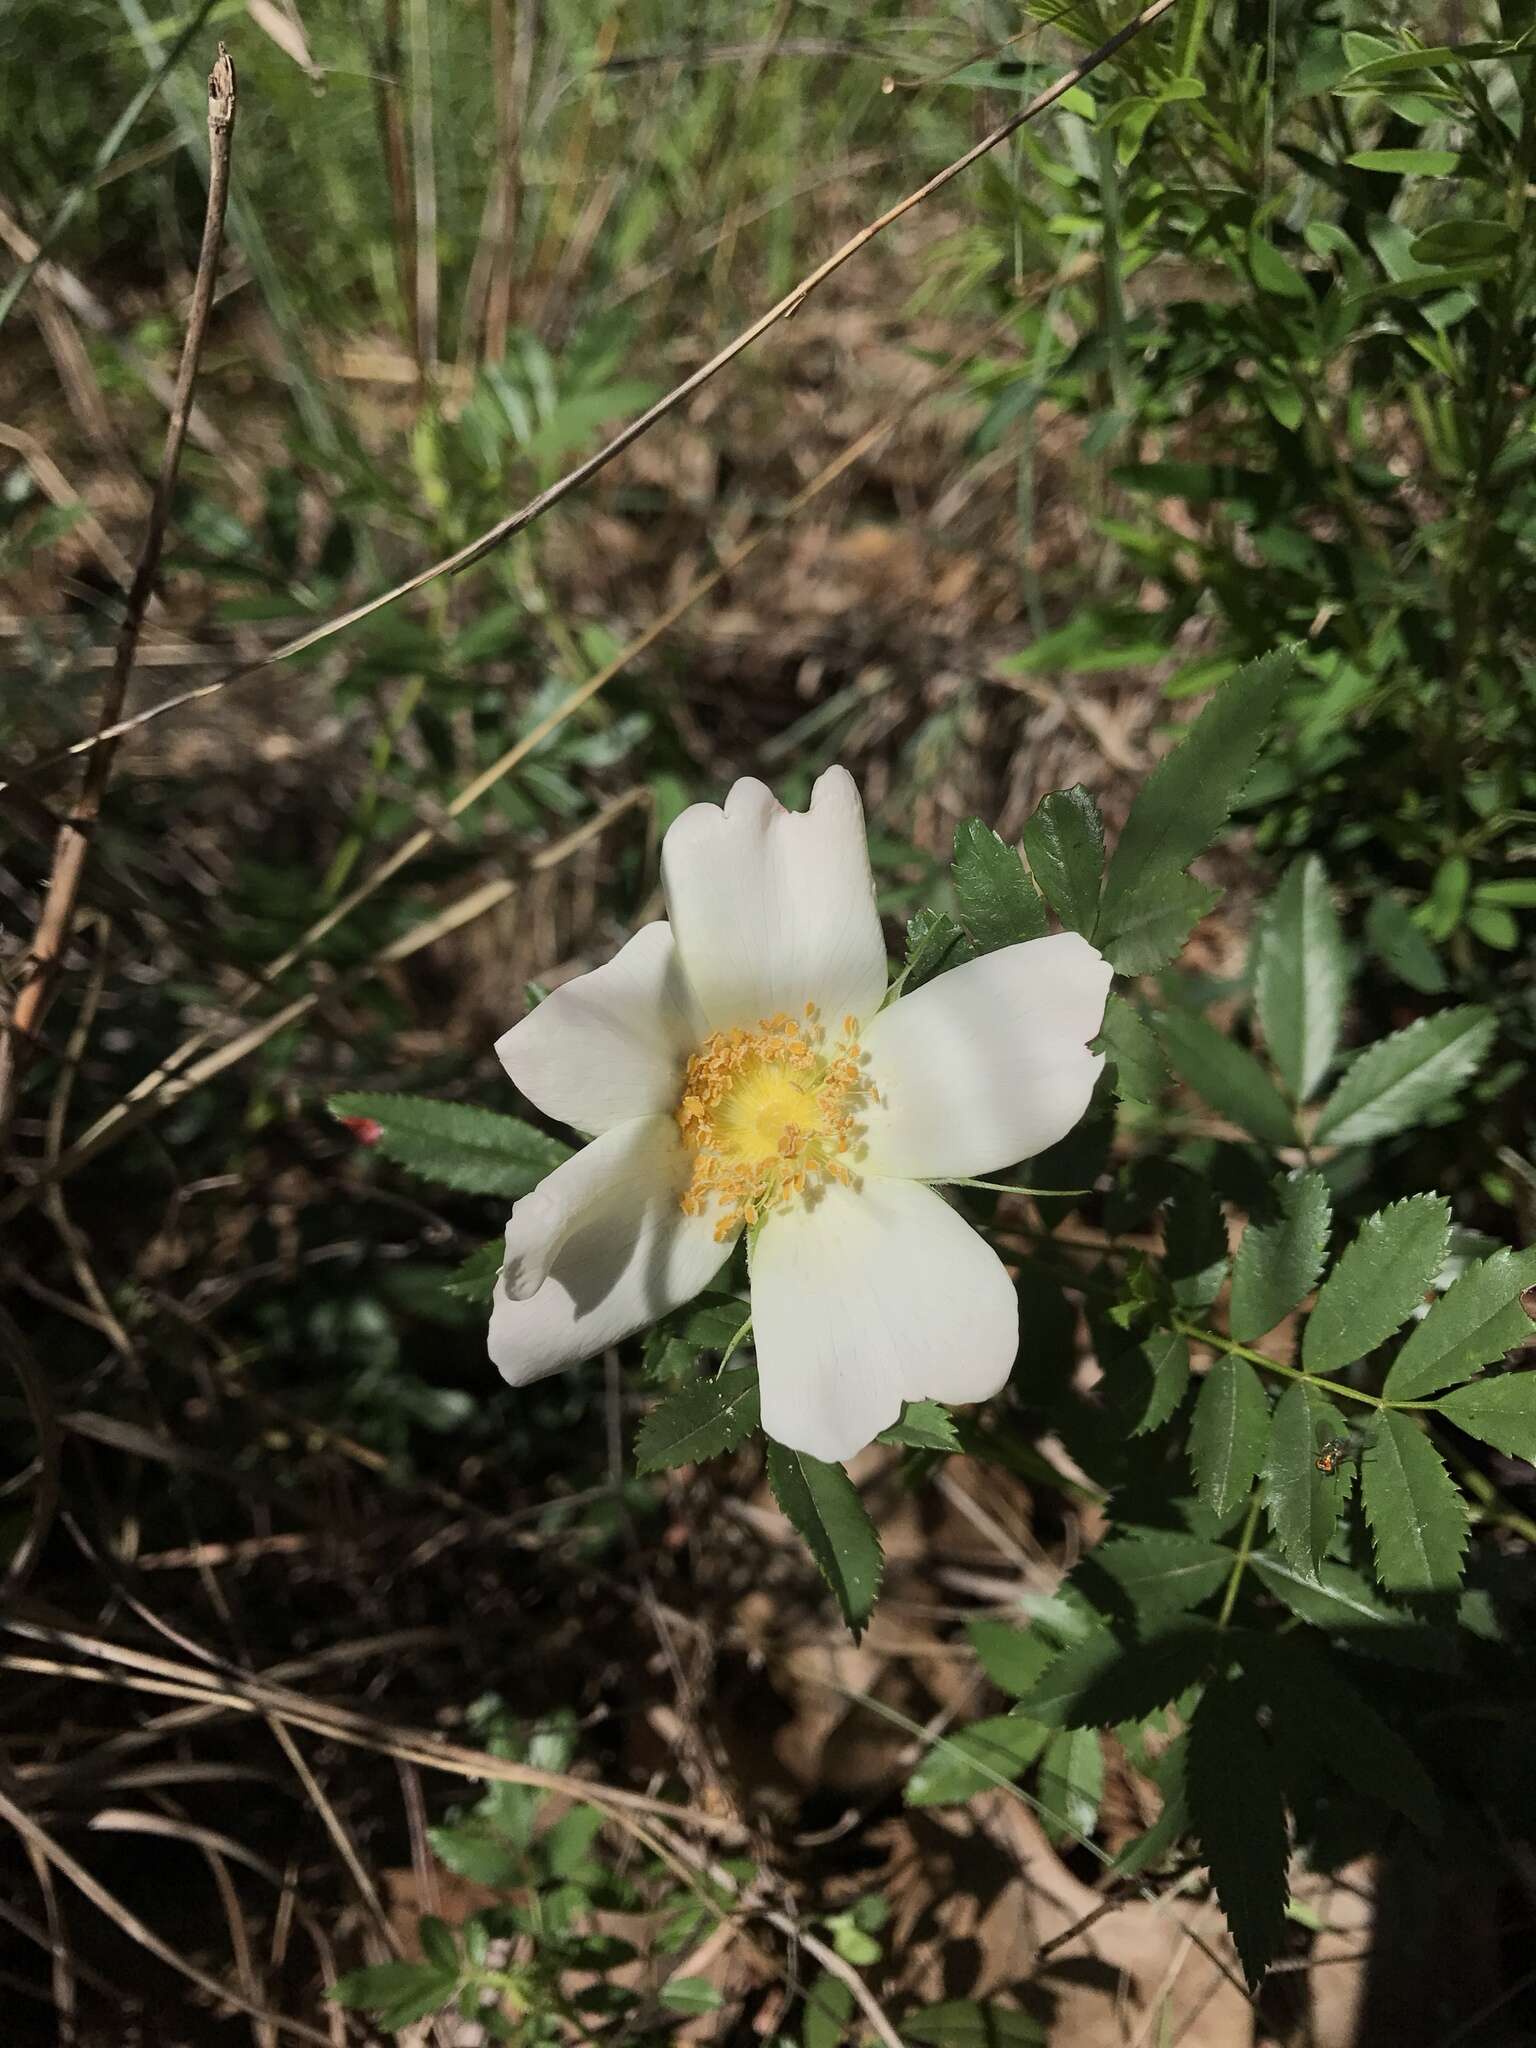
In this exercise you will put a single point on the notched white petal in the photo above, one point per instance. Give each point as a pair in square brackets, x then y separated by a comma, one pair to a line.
[599, 1250]
[612, 1044]
[988, 1064]
[773, 909]
[869, 1297]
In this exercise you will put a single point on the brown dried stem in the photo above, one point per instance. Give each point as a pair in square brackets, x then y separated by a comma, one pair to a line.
[39, 977]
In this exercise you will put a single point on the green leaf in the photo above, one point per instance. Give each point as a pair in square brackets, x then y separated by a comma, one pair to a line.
[1152, 919]
[1227, 1435]
[1399, 1082]
[999, 904]
[1163, 1572]
[1107, 1679]
[1408, 163]
[1271, 271]
[1336, 1597]
[1194, 1243]
[1141, 1072]
[473, 1150]
[1318, 1707]
[1277, 1263]
[1461, 241]
[824, 1505]
[976, 1760]
[408, 1990]
[480, 1857]
[935, 943]
[1418, 1518]
[1302, 978]
[1478, 1319]
[1400, 944]
[1166, 1354]
[1071, 1784]
[1302, 1503]
[1377, 1283]
[828, 2009]
[971, 2023]
[475, 1279]
[690, 1994]
[1227, 1076]
[436, 1940]
[923, 1426]
[1064, 842]
[1237, 1804]
[699, 1421]
[1500, 1411]
[1013, 1658]
[1189, 795]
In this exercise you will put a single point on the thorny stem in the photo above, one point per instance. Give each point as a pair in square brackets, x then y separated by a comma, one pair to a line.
[57, 919]
[1240, 1561]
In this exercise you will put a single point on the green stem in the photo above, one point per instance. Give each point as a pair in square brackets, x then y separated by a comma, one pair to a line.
[1291, 1372]
[1240, 1562]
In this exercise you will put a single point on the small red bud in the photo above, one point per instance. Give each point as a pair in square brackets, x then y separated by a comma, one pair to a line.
[366, 1129]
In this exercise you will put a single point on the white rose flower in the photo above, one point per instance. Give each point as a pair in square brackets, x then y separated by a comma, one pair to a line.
[735, 1070]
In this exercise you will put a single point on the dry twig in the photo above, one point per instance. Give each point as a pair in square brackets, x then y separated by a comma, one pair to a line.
[56, 922]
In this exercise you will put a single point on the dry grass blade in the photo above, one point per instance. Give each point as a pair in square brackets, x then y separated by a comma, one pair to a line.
[137, 1931]
[56, 921]
[45, 1500]
[785, 309]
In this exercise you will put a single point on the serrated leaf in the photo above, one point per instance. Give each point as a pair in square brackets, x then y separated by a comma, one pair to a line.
[823, 1504]
[1164, 1571]
[999, 904]
[1344, 1602]
[1152, 919]
[1302, 1503]
[1071, 1784]
[1226, 1075]
[699, 1421]
[1189, 795]
[1227, 1435]
[381, 1984]
[972, 2023]
[935, 943]
[1064, 843]
[1194, 1243]
[478, 1856]
[977, 1759]
[1237, 1804]
[475, 1151]
[1501, 1411]
[690, 1994]
[1319, 1708]
[1277, 1264]
[1302, 977]
[1417, 1516]
[1166, 1355]
[1400, 944]
[923, 1426]
[475, 1279]
[1141, 1072]
[1397, 1083]
[1377, 1283]
[1478, 1319]
[1013, 1658]
[1106, 1678]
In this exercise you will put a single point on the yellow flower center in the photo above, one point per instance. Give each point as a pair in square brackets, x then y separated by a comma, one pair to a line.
[768, 1114]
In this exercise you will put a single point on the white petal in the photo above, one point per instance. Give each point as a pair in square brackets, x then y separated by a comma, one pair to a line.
[774, 909]
[867, 1297]
[611, 1044]
[598, 1250]
[988, 1064]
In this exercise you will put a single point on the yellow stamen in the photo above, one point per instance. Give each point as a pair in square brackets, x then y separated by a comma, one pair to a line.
[769, 1115]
